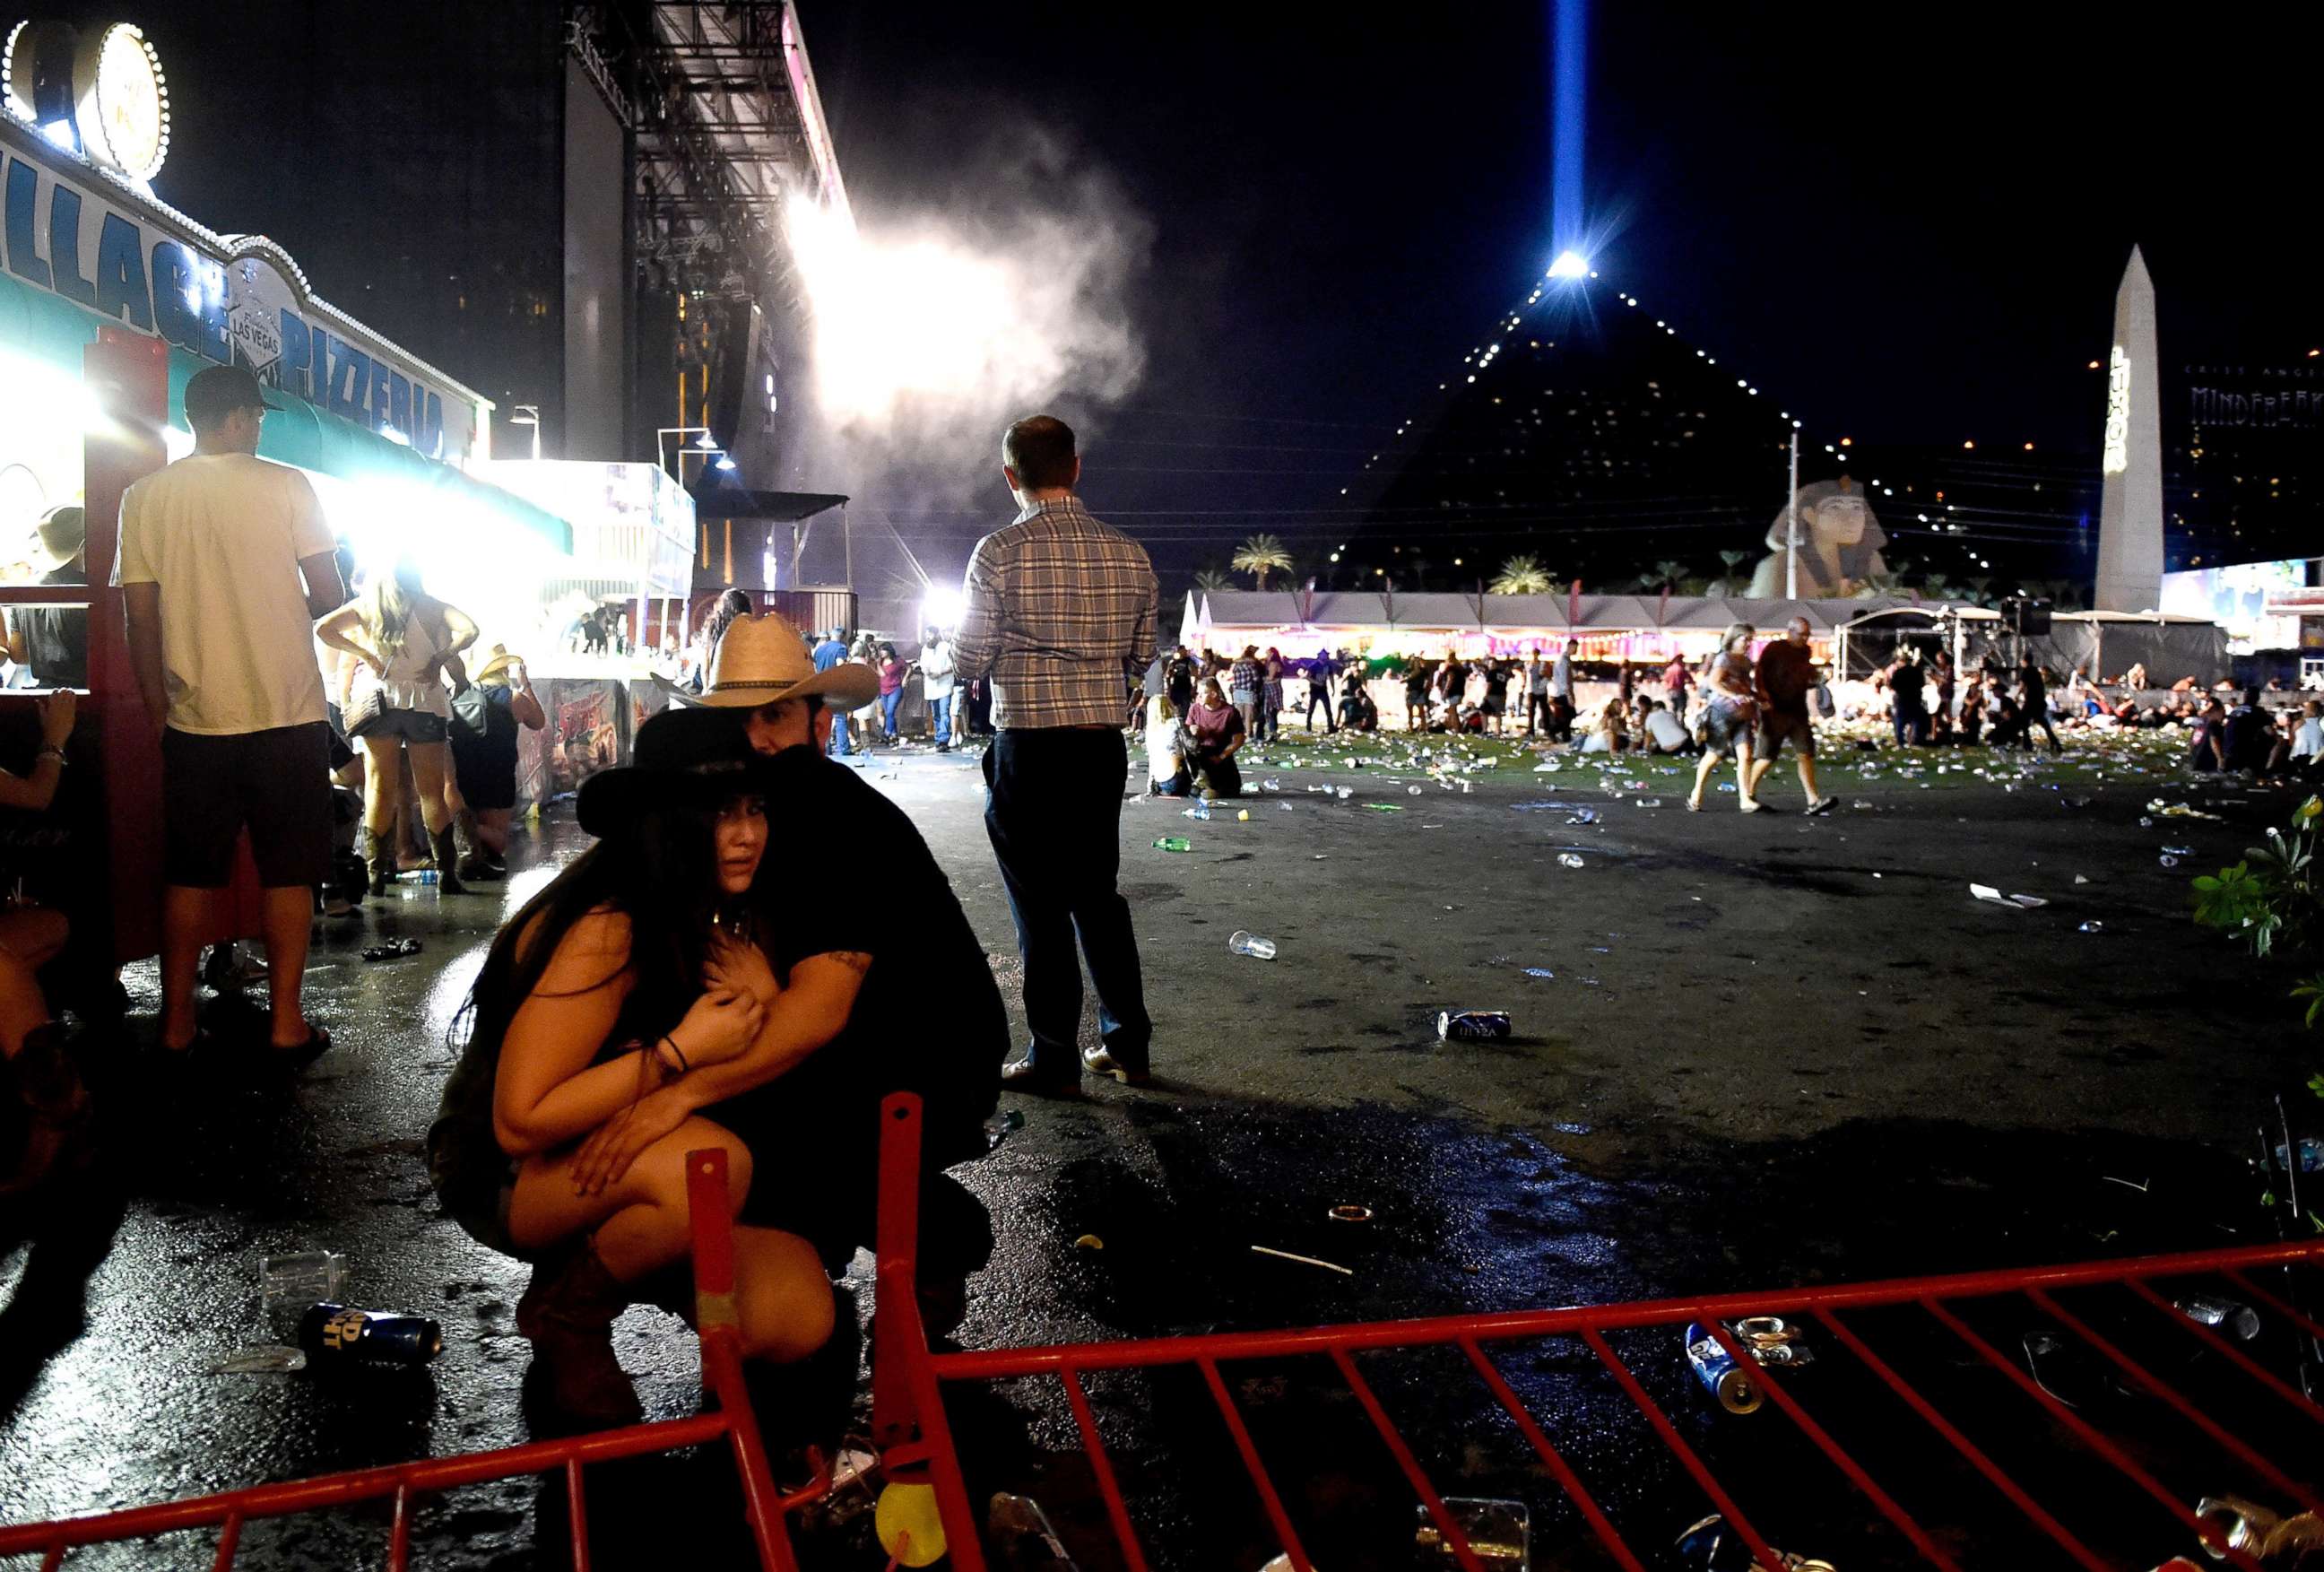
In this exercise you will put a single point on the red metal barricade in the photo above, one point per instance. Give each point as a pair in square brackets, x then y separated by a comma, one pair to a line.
[909, 1419]
[733, 1421]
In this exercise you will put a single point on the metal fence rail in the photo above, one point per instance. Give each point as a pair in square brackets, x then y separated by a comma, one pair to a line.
[908, 1401]
[733, 1421]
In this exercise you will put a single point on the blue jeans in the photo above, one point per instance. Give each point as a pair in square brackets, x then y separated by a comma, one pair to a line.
[940, 716]
[840, 746]
[1053, 811]
[887, 703]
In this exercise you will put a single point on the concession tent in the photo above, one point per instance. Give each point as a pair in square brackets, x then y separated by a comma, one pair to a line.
[1609, 627]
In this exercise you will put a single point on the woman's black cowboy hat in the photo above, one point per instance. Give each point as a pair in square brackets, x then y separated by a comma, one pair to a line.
[684, 759]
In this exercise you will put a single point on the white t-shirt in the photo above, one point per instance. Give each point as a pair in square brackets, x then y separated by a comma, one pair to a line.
[1667, 730]
[1163, 758]
[936, 670]
[2308, 744]
[223, 534]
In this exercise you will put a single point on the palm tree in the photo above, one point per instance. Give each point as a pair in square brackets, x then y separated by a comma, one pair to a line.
[1734, 561]
[1523, 576]
[1259, 555]
[1933, 586]
[1978, 586]
[1668, 574]
[1209, 579]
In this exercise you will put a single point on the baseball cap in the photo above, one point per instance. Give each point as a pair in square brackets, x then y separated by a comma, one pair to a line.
[220, 390]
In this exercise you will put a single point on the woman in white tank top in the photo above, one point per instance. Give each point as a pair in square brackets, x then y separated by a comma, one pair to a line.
[404, 641]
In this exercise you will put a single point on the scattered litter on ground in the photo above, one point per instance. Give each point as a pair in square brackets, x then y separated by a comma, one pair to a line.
[1302, 1260]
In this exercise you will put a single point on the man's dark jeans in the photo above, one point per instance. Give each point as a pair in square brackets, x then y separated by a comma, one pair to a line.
[1053, 809]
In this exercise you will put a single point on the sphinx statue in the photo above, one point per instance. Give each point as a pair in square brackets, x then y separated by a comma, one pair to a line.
[1839, 544]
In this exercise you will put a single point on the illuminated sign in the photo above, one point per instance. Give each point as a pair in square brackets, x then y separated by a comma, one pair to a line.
[2117, 427]
[238, 301]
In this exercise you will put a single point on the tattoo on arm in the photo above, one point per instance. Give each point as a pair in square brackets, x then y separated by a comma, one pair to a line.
[854, 960]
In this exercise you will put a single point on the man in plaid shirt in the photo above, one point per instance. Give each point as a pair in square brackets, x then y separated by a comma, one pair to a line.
[1061, 613]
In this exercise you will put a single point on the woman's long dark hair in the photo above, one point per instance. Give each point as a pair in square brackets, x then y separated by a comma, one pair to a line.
[734, 602]
[662, 875]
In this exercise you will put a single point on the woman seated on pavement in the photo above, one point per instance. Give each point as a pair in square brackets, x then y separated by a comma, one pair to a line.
[43, 1111]
[1611, 735]
[636, 967]
[1167, 774]
[1730, 716]
[1214, 736]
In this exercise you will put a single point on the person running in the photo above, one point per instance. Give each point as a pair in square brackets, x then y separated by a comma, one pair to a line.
[636, 968]
[487, 718]
[1320, 672]
[1061, 613]
[1785, 677]
[1731, 714]
[2033, 701]
[405, 641]
[224, 564]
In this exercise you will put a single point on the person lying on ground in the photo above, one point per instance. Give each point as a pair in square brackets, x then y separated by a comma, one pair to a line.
[634, 971]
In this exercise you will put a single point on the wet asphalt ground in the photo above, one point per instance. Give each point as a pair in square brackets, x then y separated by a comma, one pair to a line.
[1771, 1050]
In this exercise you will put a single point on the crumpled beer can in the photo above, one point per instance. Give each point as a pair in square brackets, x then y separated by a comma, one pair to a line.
[1476, 1025]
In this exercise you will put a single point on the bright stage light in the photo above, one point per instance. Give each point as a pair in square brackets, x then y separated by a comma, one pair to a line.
[940, 606]
[1570, 264]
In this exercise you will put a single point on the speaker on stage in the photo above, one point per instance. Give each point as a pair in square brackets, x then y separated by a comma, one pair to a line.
[2023, 614]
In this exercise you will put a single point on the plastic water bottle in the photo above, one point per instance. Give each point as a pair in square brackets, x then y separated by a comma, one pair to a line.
[1173, 843]
[1200, 810]
[1251, 944]
[1568, 860]
[419, 876]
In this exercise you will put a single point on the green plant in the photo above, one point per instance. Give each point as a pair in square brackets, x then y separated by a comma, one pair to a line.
[2269, 900]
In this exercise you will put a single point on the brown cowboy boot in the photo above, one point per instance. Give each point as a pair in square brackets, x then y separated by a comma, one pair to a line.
[569, 1313]
[379, 857]
[55, 1119]
[447, 861]
[472, 863]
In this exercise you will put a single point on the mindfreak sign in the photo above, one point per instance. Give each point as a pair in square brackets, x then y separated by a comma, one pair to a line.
[238, 300]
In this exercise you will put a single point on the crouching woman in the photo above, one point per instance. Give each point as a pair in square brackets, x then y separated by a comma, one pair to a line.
[632, 969]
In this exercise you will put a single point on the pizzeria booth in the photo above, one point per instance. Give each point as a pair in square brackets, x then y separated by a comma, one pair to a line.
[109, 301]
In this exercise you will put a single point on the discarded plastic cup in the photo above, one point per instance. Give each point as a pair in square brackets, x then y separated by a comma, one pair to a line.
[1414, 791]
[1500, 1533]
[288, 1284]
[1256, 946]
[2168, 861]
[1568, 860]
[1346, 792]
[1022, 1537]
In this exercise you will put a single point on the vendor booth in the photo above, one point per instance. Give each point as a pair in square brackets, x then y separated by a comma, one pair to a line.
[109, 301]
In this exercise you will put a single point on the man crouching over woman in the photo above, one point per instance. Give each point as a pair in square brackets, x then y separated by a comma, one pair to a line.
[667, 992]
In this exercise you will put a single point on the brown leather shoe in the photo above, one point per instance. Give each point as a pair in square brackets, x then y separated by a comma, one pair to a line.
[567, 1313]
[1102, 1062]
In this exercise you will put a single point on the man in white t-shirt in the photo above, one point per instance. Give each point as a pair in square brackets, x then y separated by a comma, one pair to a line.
[225, 563]
[936, 685]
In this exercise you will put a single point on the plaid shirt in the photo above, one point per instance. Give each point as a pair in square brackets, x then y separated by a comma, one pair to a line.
[1061, 612]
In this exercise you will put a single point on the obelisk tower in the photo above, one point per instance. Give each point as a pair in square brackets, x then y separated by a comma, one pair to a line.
[2130, 509]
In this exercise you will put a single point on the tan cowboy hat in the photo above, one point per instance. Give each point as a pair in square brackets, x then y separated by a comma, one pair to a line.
[59, 537]
[762, 660]
[497, 659]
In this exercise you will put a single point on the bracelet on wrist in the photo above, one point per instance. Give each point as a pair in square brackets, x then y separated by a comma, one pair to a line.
[51, 752]
[676, 1052]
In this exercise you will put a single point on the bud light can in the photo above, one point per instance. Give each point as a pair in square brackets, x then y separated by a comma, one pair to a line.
[339, 1335]
[1476, 1025]
[1733, 1386]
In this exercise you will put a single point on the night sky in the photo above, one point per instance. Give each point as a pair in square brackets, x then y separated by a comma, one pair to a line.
[1908, 229]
